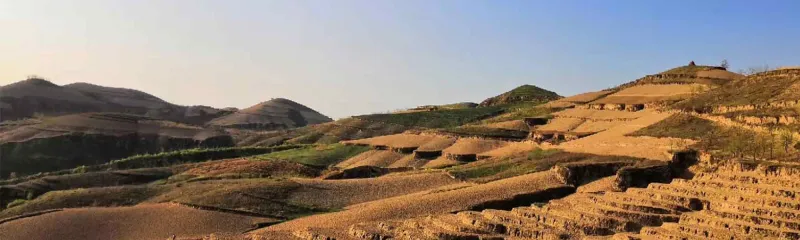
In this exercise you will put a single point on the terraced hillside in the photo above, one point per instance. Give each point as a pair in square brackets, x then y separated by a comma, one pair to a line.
[674, 155]
[738, 201]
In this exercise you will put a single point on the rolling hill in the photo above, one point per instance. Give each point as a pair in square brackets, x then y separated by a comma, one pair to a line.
[524, 93]
[275, 114]
[38, 97]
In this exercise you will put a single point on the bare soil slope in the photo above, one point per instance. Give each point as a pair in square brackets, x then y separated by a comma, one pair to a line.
[156, 221]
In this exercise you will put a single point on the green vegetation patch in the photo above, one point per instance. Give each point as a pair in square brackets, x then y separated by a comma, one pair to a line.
[765, 112]
[89, 197]
[749, 91]
[725, 142]
[524, 93]
[435, 119]
[163, 159]
[266, 197]
[15, 203]
[519, 111]
[679, 126]
[690, 70]
[535, 161]
[487, 132]
[322, 155]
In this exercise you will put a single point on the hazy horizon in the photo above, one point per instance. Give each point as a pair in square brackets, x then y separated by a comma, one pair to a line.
[350, 57]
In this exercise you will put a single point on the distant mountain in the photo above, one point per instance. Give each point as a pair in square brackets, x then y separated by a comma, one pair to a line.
[275, 114]
[94, 138]
[37, 96]
[524, 93]
[34, 97]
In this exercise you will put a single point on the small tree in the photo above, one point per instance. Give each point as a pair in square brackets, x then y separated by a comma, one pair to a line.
[754, 70]
[787, 139]
[724, 64]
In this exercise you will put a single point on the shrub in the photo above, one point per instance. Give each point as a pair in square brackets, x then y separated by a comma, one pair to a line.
[16, 202]
[435, 119]
[539, 153]
[322, 155]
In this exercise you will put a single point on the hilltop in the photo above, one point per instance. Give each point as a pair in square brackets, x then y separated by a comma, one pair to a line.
[275, 114]
[37, 97]
[524, 93]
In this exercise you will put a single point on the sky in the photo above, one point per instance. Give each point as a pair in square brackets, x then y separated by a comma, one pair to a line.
[353, 57]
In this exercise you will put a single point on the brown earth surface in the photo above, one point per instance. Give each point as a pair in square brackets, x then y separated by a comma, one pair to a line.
[153, 221]
[250, 167]
[450, 198]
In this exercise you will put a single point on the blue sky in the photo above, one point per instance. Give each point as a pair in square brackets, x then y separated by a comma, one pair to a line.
[348, 57]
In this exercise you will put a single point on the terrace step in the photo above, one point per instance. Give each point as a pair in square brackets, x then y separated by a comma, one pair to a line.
[643, 201]
[318, 234]
[683, 200]
[744, 188]
[514, 225]
[762, 211]
[370, 231]
[704, 232]
[451, 222]
[431, 230]
[588, 206]
[793, 224]
[660, 233]
[631, 206]
[702, 219]
[586, 223]
[709, 194]
[749, 178]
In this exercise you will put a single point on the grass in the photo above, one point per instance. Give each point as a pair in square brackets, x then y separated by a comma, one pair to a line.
[163, 159]
[538, 153]
[519, 111]
[725, 142]
[91, 197]
[679, 126]
[267, 197]
[690, 70]
[480, 131]
[495, 169]
[322, 155]
[765, 112]
[524, 93]
[435, 119]
[749, 91]
[530, 90]
[16, 202]
[535, 161]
